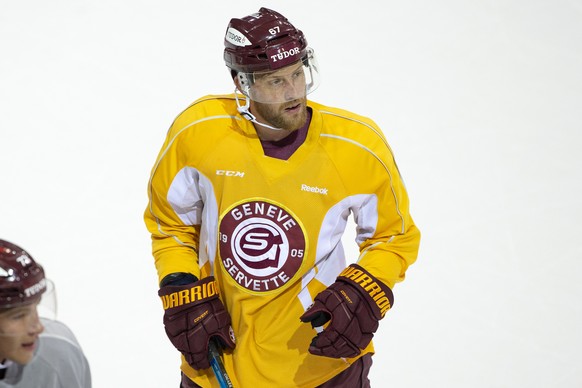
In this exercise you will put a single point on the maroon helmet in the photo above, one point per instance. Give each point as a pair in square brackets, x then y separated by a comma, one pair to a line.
[22, 280]
[262, 41]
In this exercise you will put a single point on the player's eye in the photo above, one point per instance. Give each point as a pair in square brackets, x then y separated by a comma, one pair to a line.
[276, 82]
[17, 316]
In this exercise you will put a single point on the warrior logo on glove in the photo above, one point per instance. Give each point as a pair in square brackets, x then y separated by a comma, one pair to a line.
[192, 294]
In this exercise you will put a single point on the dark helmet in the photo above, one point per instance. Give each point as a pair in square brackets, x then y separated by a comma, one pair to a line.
[262, 41]
[22, 280]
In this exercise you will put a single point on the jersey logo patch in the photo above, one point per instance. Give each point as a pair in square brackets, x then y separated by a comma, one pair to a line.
[262, 245]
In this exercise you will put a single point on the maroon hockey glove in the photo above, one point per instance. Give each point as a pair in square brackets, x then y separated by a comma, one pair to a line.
[354, 304]
[194, 314]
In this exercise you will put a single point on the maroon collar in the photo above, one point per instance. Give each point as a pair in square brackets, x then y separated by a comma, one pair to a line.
[284, 148]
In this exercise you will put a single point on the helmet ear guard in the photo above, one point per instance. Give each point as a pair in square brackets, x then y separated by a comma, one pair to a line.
[243, 83]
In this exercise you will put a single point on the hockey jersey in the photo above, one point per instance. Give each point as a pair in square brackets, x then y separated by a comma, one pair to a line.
[270, 230]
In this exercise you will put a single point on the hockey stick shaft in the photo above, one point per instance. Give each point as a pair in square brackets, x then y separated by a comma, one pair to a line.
[217, 365]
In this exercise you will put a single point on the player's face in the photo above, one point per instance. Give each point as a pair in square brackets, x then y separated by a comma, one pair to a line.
[19, 331]
[279, 98]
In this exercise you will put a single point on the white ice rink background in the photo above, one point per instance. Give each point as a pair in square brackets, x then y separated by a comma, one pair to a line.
[481, 102]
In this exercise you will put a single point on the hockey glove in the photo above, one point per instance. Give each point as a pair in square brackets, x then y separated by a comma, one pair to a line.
[354, 304]
[193, 314]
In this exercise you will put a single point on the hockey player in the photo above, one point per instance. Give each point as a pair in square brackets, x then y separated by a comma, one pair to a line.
[248, 201]
[34, 352]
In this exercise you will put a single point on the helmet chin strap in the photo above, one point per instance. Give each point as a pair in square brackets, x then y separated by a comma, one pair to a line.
[244, 111]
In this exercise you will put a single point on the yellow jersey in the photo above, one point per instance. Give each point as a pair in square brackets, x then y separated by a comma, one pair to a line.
[270, 230]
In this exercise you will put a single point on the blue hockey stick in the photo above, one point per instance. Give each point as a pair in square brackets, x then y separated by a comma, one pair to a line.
[217, 365]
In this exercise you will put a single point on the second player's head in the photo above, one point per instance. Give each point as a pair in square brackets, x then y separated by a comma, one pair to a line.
[22, 283]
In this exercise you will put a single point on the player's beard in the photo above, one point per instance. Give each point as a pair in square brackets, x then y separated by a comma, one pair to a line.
[279, 116]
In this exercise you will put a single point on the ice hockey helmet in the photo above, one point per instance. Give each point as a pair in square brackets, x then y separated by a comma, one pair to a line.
[263, 41]
[22, 280]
